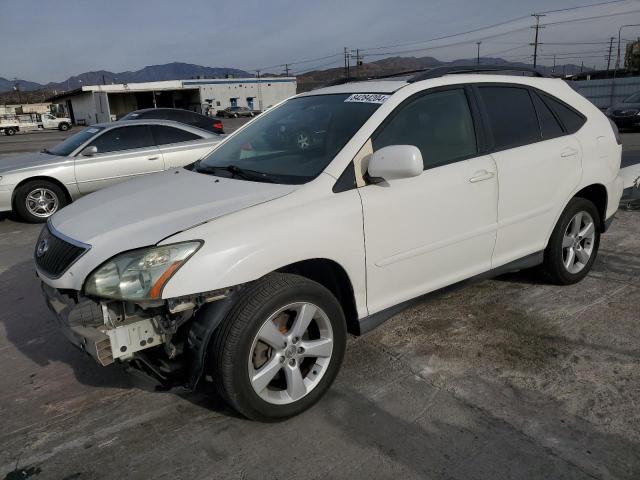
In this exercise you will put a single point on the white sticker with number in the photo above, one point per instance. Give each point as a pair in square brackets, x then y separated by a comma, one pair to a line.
[368, 98]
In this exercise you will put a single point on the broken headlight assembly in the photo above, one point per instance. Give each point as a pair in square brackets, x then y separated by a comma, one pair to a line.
[139, 274]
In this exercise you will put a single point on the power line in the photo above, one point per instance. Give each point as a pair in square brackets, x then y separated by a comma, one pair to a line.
[583, 6]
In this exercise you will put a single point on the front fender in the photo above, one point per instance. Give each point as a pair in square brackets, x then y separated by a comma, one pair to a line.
[249, 244]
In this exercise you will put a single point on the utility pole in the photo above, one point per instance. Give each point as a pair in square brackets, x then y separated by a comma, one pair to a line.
[286, 69]
[358, 62]
[259, 91]
[346, 62]
[478, 57]
[553, 70]
[609, 56]
[537, 27]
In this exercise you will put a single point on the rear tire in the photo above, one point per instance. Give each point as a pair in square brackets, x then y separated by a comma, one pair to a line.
[37, 200]
[263, 351]
[9, 131]
[574, 243]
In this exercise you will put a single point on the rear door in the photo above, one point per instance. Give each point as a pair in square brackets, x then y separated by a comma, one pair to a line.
[179, 147]
[539, 165]
[123, 153]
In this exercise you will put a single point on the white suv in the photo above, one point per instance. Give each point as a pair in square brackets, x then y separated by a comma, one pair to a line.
[250, 266]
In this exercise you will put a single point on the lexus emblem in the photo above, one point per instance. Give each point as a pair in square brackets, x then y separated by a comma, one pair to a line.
[43, 247]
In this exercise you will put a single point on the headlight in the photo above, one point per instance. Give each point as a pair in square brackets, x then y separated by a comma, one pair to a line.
[139, 274]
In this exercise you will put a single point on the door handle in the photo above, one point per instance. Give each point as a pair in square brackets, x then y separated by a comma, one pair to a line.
[481, 176]
[569, 152]
[153, 158]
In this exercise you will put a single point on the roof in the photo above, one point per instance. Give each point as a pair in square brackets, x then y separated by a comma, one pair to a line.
[153, 121]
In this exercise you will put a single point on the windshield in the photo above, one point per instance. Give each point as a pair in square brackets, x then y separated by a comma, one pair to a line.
[635, 98]
[74, 141]
[295, 142]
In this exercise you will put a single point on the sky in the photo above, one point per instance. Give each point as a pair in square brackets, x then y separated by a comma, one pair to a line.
[54, 39]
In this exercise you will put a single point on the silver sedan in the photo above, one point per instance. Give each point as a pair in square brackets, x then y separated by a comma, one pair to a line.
[37, 185]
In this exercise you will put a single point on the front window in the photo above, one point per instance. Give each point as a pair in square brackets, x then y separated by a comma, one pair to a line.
[74, 141]
[293, 143]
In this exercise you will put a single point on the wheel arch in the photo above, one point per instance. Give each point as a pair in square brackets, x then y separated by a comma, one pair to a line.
[55, 181]
[597, 194]
[331, 275]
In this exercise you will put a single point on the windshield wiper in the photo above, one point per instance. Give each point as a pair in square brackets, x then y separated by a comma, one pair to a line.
[234, 170]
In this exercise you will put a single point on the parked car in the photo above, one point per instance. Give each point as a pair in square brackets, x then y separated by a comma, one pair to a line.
[303, 129]
[627, 113]
[249, 267]
[178, 115]
[235, 112]
[37, 185]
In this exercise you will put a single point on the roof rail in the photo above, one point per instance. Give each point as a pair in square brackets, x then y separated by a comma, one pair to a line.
[449, 70]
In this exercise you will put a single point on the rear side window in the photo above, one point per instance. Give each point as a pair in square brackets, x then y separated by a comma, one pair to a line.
[124, 138]
[571, 119]
[439, 124]
[164, 135]
[512, 118]
[549, 125]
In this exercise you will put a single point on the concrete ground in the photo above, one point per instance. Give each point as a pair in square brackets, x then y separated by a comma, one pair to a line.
[509, 378]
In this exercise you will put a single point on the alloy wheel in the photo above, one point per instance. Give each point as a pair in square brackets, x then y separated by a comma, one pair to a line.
[578, 242]
[303, 141]
[42, 202]
[290, 353]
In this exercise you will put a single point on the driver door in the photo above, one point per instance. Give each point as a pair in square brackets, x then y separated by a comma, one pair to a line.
[426, 232]
[123, 153]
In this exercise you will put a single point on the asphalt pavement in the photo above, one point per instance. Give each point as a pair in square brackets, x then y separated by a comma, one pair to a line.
[510, 378]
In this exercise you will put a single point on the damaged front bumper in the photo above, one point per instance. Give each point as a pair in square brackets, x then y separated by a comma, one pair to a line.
[96, 330]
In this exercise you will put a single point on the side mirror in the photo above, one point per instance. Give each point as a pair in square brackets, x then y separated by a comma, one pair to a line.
[89, 151]
[395, 162]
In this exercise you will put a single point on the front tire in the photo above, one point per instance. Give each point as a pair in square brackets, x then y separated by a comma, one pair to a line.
[280, 348]
[574, 243]
[37, 200]
[64, 126]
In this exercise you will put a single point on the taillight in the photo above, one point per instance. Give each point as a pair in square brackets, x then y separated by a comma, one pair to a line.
[616, 132]
[218, 125]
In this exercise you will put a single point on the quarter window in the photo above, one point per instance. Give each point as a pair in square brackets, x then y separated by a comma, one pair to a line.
[549, 125]
[439, 124]
[124, 138]
[512, 118]
[164, 135]
[571, 119]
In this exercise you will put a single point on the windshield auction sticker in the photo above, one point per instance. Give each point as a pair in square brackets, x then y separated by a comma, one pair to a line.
[368, 98]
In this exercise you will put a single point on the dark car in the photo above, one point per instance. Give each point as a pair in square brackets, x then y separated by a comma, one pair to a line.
[235, 112]
[178, 115]
[627, 113]
[303, 129]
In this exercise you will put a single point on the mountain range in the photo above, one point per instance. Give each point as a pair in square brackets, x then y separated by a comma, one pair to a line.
[306, 81]
[169, 71]
[391, 65]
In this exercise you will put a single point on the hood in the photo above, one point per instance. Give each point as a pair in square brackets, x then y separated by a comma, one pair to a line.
[30, 160]
[625, 106]
[143, 211]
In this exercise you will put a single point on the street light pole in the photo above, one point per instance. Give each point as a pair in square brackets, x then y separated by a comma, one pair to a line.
[478, 57]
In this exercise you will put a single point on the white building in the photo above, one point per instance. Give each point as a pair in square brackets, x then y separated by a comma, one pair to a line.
[103, 103]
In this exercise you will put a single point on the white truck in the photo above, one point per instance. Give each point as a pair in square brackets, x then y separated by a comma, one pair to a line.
[10, 124]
